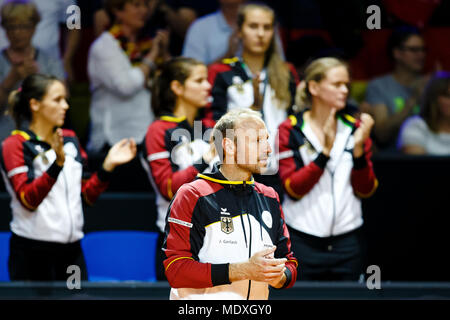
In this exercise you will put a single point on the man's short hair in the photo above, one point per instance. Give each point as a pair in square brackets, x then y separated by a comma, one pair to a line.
[228, 122]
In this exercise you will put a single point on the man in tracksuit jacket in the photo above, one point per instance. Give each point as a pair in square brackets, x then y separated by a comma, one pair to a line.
[225, 233]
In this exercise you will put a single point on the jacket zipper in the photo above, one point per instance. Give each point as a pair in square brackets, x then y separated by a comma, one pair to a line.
[250, 231]
[249, 254]
[333, 219]
[68, 204]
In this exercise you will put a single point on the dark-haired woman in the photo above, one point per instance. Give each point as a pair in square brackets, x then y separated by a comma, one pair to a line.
[43, 169]
[429, 132]
[175, 148]
[259, 79]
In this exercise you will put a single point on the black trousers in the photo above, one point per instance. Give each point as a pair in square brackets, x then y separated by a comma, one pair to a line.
[43, 261]
[332, 258]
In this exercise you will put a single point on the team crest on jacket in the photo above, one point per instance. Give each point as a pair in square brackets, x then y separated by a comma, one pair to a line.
[226, 224]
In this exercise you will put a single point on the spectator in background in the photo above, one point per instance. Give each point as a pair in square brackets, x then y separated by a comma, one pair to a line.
[394, 97]
[120, 64]
[174, 153]
[47, 36]
[174, 16]
[325, 168]
[21, 58]
[214, 37]
[429, 132]
[260, 79]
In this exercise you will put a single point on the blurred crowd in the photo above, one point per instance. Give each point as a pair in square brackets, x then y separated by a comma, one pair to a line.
[398, 72]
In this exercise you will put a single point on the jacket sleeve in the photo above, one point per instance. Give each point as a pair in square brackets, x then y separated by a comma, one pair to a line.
[29, 190]
[183, 240]
[284, 251]
[363, 179]
[163, 174]
[297, 178]
[93, 185]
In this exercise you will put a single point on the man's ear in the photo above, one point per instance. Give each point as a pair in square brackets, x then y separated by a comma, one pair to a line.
[34, 105]
[229, 149]
[176, 87]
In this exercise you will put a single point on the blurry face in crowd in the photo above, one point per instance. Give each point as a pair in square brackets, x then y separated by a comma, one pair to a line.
[411, 54]
[252, 147]
[257, 31]
[444, 104]
[332, 90]
[231, 2]
[53, 106]
[19, 33]
[133, 14]
[151, 7]
[195, 90]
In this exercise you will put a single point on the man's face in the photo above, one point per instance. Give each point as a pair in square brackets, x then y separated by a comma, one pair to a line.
[411, 54]
[251, 145]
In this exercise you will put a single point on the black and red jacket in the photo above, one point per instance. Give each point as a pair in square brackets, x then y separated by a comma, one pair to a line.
[213, 222]
[324, 192]
[172, 155]
[232, 88]
[46, 199]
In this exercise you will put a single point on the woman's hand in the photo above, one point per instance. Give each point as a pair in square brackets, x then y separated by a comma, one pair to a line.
[57, 144]
[163, 37]
[362, 133]
[122, 152]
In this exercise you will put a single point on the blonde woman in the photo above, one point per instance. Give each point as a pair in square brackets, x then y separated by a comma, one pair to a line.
[325, 169]
[259, 79]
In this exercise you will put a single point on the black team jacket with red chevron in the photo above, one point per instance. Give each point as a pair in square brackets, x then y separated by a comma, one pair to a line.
[212, 222]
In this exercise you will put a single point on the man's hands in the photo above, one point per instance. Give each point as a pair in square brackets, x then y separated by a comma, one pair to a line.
[262, 266]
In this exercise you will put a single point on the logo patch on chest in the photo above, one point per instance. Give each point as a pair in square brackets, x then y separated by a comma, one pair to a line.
[226, 225]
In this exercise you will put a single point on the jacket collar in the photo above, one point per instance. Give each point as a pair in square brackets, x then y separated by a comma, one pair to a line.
[217, 177]
[26, 133]
[346, 126]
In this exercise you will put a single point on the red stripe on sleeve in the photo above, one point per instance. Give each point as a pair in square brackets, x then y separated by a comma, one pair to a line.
[182, 270]
[363, 180]
[167, 180]
[292, 262]
[296, 182]
[29, 193]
